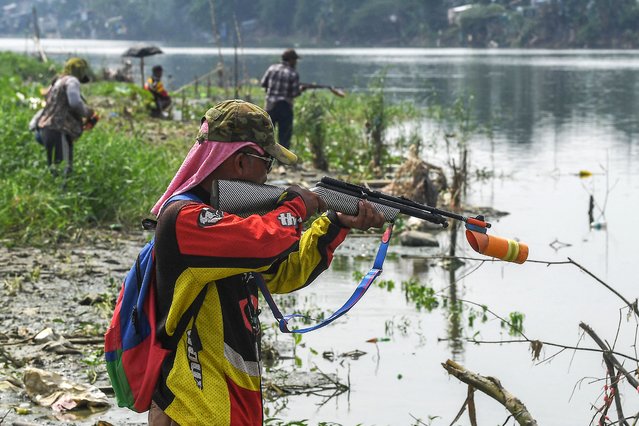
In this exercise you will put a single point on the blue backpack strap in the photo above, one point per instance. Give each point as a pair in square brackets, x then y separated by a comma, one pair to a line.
[182, 197]
[363, 285]
[150, 224]
[141, 272]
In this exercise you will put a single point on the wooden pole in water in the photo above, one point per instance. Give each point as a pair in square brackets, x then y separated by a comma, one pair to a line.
[142, 70]
[36, 33]
[235, 82]
[216, 35]
[183, 107]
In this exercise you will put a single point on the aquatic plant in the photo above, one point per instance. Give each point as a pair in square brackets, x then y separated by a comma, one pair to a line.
[312, 129]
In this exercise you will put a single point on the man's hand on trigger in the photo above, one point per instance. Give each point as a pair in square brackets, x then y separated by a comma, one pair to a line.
[367, 217]
[311, 200]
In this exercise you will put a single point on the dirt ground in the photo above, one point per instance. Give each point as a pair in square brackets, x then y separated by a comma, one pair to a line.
[55, 305]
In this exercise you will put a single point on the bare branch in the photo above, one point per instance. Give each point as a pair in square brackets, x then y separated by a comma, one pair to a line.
[631, 379]
[417, 420]
[472, 413]
[614, 380]
[493, 388]
[576, 348]
[460, 412]
[470, 403]
[632, 306]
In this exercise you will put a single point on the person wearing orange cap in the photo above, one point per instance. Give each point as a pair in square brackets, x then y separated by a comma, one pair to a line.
[282, 84]
[208, 263]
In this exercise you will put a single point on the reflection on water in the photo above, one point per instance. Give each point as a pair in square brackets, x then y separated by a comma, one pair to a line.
[515, 90]
[454, 305]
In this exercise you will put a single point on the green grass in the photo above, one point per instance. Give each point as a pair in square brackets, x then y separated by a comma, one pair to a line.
[119, 172]
[123, 165]
[27, 68]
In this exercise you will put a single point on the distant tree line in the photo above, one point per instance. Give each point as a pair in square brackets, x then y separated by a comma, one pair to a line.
[424, 23]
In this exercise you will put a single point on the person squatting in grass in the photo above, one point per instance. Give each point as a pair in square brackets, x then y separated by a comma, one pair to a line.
[213, 377]
[64, 115]
[161, 98]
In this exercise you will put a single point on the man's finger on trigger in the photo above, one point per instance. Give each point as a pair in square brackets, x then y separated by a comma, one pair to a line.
[369, 211]
[361, 210]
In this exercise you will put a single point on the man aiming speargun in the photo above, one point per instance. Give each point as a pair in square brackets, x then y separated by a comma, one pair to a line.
[246, 198]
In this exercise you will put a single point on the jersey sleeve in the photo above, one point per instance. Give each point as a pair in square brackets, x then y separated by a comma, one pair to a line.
[313, 255]
[216, 245]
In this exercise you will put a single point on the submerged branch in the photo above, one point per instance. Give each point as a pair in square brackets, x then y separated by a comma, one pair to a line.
[493, 388]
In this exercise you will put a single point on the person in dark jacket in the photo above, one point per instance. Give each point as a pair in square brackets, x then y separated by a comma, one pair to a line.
[282, 84]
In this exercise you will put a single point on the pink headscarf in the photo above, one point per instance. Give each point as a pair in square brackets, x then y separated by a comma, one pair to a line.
[201, 161]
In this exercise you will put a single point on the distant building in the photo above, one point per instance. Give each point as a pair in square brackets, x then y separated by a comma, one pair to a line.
[16, 18]
[115, 26]
[455, 12]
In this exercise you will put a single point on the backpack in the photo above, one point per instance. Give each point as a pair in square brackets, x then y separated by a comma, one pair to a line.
[134, 356]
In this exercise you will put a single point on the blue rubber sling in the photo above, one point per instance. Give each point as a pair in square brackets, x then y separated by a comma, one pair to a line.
[363, 285]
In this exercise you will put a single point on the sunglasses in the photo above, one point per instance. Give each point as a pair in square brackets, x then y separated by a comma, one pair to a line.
[268, 160]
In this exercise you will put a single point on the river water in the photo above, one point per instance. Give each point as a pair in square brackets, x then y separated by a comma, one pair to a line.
[552, 114]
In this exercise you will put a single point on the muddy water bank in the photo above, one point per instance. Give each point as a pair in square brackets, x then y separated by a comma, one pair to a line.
[55, 304]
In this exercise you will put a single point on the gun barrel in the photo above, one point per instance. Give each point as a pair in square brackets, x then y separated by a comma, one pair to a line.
[405, 205]
[348, 204]
[246, 198]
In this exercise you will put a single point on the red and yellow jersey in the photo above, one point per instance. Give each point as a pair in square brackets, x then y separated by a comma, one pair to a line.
[213, 376]
[156, 87]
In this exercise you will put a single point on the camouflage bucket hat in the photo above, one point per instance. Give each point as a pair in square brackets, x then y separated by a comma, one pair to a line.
[240, 121]
[77, 67]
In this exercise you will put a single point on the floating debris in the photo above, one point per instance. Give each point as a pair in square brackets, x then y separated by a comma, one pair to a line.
[50, 389]
[557, 245]
[378, 339]
[598, 225]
